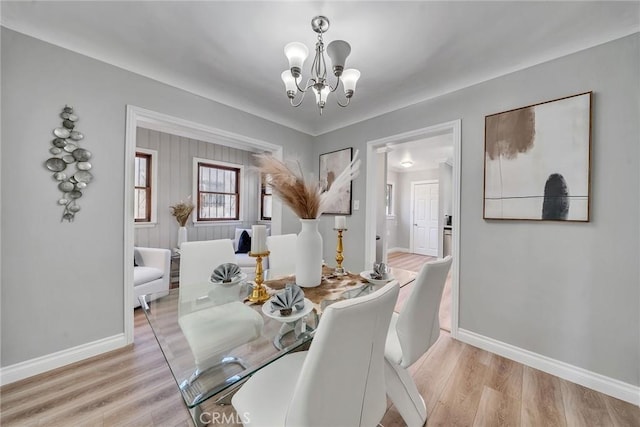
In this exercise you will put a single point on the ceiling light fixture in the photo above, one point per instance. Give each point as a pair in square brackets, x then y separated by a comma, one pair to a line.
[406, 164]
[338, 50]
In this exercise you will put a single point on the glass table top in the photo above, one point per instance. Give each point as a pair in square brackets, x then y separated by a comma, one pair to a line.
[213, 340]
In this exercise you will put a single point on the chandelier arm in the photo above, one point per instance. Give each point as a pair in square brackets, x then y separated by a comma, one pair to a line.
[299, 102]
[334, 88]
[338, 101]
[309, 85]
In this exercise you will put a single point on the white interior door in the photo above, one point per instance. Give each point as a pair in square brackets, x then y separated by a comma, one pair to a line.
[425, 219]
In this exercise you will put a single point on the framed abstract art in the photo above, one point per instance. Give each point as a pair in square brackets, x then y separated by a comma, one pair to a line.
[537, 161]
[331, 165]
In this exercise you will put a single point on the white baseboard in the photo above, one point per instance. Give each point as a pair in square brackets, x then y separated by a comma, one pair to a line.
[390, 250]
[603, 384]
[38, 365]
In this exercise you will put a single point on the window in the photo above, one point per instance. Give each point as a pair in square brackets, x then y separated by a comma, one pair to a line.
[266, 198]
[388, 199]
[218, 191]
[142, 182]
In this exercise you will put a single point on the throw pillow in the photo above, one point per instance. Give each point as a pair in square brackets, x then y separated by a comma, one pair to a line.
[244, 244]
[137, 258]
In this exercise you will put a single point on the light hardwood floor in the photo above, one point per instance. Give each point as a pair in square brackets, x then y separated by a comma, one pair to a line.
[461, 385]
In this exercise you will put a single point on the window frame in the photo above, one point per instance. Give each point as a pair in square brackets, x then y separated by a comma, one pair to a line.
[389, 208]
[263, 194]
[217, 164]
[152, 197]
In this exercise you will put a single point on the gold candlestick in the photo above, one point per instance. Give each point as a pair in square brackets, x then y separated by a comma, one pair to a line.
[259, 293]
[339, 271]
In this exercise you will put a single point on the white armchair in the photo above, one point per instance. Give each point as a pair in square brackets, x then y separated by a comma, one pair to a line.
[151, 274]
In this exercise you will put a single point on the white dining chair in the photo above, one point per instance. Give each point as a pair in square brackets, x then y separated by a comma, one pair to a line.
[198, 259]
[211, 316]
[282, 256]
[338, 382]
[411, 333]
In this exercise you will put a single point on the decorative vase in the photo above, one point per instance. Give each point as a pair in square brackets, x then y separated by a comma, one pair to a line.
[182, 235]
[309, 254]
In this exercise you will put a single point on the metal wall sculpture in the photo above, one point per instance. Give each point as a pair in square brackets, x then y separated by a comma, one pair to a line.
[70, 164]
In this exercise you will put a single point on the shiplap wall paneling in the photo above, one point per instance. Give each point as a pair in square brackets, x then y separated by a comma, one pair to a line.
[174, 183]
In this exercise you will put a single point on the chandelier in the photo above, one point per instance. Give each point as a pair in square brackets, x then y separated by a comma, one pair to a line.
[338, 50]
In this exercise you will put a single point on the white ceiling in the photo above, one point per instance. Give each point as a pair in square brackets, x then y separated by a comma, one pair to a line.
[232, 52]
[424, 153]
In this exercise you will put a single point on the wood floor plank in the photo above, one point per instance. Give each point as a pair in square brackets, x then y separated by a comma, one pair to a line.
[434, 374]
[105, 398]
[622, 414]
[407, 261]
[173, 413]
[542, 403]
[505, 376]
[458, 403]
[583, 406]
[392, 418]
[497, 409]
[144, 403]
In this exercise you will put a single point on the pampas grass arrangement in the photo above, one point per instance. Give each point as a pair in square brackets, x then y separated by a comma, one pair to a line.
[182, 211]
[305, 198]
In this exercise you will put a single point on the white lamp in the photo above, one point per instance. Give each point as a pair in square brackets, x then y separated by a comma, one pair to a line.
[406, 164]
[338, 50]
[349, 79]
[296, 53]
[289, 82]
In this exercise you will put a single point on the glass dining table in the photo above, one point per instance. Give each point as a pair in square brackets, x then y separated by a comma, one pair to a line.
[213, 341]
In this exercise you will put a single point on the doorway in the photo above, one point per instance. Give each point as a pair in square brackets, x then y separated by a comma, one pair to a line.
[450, 208]
[140, 117]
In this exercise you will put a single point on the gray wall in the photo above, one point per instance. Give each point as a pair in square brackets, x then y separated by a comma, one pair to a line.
[175, 183]
[569, 291]
[392, 223]
[62, 283]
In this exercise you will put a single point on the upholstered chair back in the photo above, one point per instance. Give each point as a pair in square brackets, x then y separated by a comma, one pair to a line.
[198, 259]
[341, 382]
[282, 256]
[418, 326]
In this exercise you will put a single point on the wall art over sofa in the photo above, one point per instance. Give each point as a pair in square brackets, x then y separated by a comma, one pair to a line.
[536, 163]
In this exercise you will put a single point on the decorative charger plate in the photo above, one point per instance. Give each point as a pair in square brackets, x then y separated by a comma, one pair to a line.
[297, 314]
[366, 275]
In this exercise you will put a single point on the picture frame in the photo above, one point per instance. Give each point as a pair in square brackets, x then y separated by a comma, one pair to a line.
[331, 165]
[537, 161]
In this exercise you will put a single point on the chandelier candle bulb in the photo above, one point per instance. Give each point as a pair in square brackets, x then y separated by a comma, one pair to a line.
[340, 223]
[258, 239]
